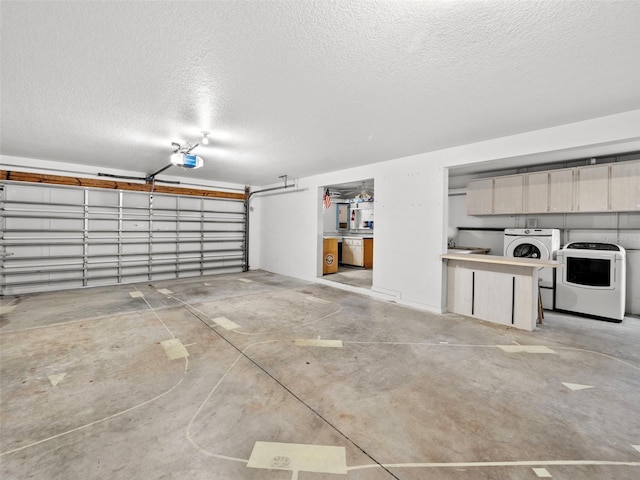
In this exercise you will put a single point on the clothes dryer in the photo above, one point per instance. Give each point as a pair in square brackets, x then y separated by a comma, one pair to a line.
[540, 243]
[592, 280]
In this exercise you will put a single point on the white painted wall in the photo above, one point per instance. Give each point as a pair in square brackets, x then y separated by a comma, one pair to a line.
[411, 206]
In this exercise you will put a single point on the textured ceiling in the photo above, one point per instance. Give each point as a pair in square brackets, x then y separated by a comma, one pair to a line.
[303, 87]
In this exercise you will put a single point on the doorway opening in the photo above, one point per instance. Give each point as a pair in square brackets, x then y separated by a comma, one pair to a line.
[348, 233]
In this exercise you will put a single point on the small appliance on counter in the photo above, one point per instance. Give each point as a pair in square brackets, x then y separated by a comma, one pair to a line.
[592, 280]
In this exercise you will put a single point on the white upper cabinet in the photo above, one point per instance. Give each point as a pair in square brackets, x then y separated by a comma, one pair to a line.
[480, 197]
[537, 192]
[561, 190]
[625, 186]
[611, 187]
[508, 194]
[593, 188]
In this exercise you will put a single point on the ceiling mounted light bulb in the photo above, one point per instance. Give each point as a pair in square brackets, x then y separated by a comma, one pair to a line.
[205, 139]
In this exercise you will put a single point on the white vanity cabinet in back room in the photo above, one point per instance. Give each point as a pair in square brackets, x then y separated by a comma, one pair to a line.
[357, 251]
[352, 251]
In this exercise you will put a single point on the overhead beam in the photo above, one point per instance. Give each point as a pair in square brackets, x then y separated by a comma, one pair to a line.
[114, 185]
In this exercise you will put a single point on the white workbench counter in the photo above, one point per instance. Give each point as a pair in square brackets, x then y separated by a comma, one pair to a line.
[497, 289]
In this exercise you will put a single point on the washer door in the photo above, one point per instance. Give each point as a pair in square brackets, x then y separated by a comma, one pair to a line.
[528, 248]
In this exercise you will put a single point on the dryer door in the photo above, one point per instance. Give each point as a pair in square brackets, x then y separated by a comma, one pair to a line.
[526, 247]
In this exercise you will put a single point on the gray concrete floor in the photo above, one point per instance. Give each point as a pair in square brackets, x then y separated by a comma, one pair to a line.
[308, 382]
[354, 276]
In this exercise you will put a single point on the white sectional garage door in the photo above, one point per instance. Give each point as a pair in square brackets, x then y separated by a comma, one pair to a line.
[56, 237]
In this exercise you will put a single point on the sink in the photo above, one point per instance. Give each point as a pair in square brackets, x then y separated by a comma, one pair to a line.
[477, 250]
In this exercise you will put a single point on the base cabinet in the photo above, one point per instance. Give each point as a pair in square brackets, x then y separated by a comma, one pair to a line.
[330, 256]
[357, 252]
[504, 293]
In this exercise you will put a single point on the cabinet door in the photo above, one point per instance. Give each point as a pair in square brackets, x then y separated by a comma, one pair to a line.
[493, 298]
[347, 253]
[352, 251]
[358, 257]
[356, 250]
[329, 255]
[480, 197]
[508, 193]
[367, 253]
[625, 186]
[561, 190]
[593, 188]
[537, 192]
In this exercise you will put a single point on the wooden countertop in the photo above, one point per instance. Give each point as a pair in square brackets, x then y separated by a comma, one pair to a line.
[519, 262]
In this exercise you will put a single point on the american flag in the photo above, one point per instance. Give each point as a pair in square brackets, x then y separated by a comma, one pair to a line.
[327, 199]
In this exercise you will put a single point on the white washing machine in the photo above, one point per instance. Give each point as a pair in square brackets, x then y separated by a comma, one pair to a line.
[592, 280]
[542, 243]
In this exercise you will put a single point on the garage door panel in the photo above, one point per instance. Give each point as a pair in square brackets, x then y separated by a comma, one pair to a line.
[135, 199]
[168, 202]
[103, 225]
[164, 247]
[65, 237]
[185, 246]
[102, 198]
[66, 195]
[109, 249]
